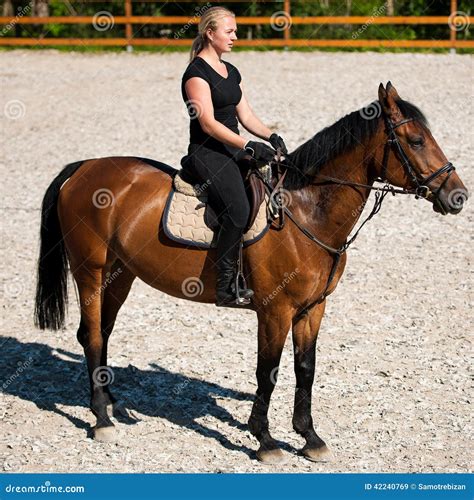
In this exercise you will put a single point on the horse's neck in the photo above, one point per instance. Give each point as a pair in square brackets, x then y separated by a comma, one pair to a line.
[332, 210]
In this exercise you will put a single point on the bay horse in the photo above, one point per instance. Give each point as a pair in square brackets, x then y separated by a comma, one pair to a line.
[101, 218]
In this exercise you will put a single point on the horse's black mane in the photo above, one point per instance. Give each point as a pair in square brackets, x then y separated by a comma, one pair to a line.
[347, 133]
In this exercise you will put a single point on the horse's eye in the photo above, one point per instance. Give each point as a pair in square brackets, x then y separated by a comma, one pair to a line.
[416, 142]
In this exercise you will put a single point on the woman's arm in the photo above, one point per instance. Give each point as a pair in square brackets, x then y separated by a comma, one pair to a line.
[250, 121]
[199, 92]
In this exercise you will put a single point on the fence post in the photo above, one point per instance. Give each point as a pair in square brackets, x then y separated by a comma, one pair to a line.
[452, 27]
[286, 33]
[128, 26]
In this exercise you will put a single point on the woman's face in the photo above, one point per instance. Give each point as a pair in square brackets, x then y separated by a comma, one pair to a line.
[226, 33]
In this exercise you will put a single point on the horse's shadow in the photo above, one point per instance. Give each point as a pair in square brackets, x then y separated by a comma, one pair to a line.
[50, 377]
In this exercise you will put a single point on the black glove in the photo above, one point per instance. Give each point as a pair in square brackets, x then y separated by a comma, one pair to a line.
[277, 142]
[240, 156]
[260, 151]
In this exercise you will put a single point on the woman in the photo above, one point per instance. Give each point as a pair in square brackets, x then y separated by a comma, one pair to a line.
[212, 90]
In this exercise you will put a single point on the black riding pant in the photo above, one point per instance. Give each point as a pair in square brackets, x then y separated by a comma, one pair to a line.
[216, 171]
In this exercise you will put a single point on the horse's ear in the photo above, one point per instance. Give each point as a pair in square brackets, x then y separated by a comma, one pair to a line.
[392, 90]
[383, 99]
[382, 92]
[387, 102]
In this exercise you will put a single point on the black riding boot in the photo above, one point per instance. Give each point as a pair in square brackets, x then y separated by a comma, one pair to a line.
[227, 256]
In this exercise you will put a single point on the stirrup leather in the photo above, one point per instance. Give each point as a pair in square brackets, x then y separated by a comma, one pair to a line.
[240, 278]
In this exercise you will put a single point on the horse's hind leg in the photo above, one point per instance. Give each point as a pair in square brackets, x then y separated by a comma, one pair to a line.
[89, 282]
[305, 333]
[116, 284]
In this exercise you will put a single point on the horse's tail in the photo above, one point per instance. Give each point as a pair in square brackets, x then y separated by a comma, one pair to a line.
[51, 285]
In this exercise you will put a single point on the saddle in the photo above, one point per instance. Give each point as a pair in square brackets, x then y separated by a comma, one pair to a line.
[190, 219]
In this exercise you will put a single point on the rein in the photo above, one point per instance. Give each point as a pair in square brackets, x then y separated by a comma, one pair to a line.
[422, 190]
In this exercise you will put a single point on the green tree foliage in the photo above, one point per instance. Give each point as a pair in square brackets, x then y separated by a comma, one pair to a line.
[369, 8]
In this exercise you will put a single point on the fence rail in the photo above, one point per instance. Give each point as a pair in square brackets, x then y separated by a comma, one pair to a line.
[453, 21]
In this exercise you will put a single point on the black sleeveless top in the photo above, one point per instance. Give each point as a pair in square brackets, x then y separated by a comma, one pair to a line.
[225, 94]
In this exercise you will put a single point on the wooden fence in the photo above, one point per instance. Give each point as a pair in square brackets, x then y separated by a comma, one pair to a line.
[282, 22]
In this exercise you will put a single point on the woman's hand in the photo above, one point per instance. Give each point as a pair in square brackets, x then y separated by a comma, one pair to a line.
[260, 151]
[277, 142]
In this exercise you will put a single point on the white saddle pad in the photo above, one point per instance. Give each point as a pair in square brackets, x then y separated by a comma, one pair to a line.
[183, 220]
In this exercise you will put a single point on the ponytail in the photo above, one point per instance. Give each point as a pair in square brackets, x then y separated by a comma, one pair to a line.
[196, 47]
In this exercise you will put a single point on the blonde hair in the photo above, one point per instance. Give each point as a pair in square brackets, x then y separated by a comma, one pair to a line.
[207, 21]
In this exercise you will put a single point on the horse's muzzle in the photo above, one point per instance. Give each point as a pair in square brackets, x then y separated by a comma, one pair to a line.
[450, 202]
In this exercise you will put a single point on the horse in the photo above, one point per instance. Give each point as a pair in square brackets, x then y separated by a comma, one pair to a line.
[101, 219]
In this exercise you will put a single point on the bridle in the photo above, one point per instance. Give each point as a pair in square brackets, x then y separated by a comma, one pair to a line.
[421, 190]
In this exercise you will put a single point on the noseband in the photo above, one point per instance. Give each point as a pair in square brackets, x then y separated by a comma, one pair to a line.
[422, 184]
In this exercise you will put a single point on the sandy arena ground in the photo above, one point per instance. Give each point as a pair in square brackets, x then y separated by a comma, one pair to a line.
[392, 390]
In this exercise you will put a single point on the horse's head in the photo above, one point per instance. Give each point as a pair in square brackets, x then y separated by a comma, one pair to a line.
[412, 158]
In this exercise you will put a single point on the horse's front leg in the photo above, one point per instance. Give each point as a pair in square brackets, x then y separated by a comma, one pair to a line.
[273, 327]
[305, 333]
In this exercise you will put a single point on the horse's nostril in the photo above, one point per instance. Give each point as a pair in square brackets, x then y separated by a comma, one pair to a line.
[457, 198]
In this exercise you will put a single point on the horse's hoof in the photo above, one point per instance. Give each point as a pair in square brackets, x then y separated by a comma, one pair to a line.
[105, 434]
[271, 457]
[322, 454]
